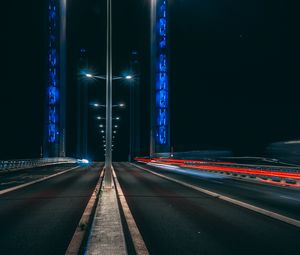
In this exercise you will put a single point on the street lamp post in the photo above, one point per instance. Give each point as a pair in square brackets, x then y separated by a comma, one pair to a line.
[108, 155]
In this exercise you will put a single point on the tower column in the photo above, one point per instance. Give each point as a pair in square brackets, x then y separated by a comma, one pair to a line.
[55, 114]
[160, 109]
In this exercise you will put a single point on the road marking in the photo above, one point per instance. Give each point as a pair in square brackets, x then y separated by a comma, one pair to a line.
[273, 215]
[80, 232]
[216, 181]
[36, 181]
[291, 198]
[137, 239]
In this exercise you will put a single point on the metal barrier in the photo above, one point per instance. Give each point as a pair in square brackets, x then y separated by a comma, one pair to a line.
[29, 163]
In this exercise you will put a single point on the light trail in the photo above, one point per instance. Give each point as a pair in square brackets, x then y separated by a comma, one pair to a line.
[219, 167]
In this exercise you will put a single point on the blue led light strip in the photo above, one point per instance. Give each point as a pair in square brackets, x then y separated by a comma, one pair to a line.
[52, 75]
[162, 92]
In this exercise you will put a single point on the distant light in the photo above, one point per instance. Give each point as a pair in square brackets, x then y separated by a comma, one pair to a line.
[128, 77]
[292, 142]
[115, 132]
[89, 75]
[116, 126]
[99, 118]
[117, 118]
[101, 126]
[83, 161]
[96, 105]
[102, 131]
[121, 105]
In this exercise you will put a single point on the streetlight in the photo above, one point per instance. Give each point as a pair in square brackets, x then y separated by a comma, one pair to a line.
[114, 105]
[103, 77]
[101, 118]
[109, 78]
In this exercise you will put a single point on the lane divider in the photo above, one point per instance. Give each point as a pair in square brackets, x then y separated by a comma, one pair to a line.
[81, 230]
[268, 213]
[137, 239]
[36, 181]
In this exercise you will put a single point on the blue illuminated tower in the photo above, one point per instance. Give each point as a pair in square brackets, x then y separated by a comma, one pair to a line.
[54, 136]
[160, 110]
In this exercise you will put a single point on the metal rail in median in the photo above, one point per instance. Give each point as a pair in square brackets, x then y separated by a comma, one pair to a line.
[8, 165]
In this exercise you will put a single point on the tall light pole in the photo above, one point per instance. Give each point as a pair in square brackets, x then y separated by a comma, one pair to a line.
[108, 154]
[63, 27]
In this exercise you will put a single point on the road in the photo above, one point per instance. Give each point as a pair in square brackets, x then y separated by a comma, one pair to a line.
[42, 218]
[282, 200]
[19, 177]
[174, 219]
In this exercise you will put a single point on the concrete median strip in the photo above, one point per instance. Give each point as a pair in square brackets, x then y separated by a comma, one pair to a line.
[268, 213]
[137, 239]
[80, 232]
[107, 235]
[36, 181]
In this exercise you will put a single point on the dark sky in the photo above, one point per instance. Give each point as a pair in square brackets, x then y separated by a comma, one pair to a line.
[234, 71]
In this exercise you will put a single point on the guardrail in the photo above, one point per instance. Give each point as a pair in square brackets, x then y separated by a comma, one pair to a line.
[9, 165]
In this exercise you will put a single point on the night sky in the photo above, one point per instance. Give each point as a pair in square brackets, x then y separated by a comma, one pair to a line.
[234, 72]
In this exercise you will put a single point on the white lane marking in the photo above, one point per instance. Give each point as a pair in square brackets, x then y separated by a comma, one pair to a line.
[271, 214]
[217, 182]
[36, 181]
[80, 232]
[137, 239]
[291, 198]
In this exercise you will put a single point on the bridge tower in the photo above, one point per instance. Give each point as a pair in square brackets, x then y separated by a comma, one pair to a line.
[55, 126]
[160, 107]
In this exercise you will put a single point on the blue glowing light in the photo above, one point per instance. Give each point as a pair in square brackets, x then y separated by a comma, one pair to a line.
[53, 92]
[162, 91]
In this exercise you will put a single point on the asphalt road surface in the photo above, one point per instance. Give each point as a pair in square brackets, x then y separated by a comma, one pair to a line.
[174, 219]
[19, 177]
[42, 218]
[282, 200]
